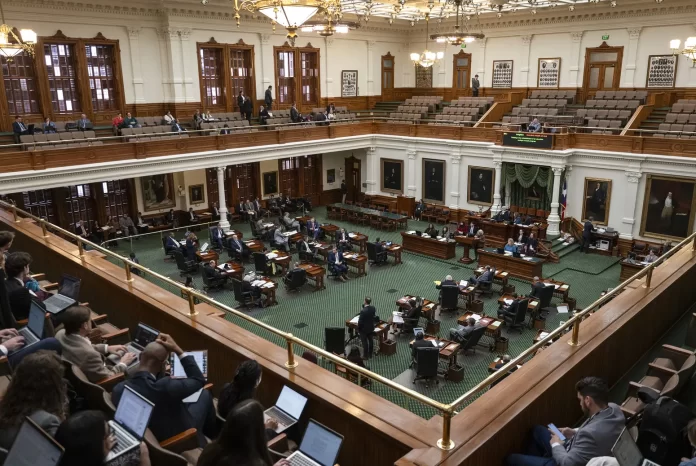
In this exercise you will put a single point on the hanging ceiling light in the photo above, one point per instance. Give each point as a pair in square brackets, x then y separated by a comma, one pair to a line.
[426, 59]
[329, 28]
[457, 37]
[689, 50]
[10, 49]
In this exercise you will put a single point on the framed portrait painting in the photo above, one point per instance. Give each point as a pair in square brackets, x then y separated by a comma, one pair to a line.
[270, 183]
[596, 200]
[534, 192]
[392, 176]
[349, 83]
[330, 175]
[196, 194]
[549, 73]
[662, 70]
[481, 182]
[158, 192]
[668, 207]
[434, 181]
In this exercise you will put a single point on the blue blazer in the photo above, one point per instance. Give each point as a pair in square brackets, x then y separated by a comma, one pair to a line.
[218, 234]
[332, 257]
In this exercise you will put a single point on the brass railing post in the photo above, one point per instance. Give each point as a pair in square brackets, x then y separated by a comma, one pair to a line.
[192, 304]
[129, 277]
[575, 335]
[44, 232]
[446, 443]
[80, 248]
[291, 364]
[648, 278]
[14, 213]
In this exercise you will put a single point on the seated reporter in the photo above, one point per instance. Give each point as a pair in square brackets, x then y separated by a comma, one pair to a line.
[87, 440]
[431, 231]
[171, 415]
[79, 350]
[595, 437]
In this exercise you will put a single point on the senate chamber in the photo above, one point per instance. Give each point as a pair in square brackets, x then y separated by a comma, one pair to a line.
[348, 232]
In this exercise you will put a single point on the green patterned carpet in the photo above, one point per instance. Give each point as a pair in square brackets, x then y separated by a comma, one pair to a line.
[307, 313]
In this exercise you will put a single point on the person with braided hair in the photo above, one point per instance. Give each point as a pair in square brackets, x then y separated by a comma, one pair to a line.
[243, 387]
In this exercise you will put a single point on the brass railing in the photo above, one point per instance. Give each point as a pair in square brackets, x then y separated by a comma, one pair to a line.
[447, 411]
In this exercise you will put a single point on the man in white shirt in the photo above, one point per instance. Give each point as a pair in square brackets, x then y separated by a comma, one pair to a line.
[142, 226]
[79, 350]
[168, 118]
[192, 215]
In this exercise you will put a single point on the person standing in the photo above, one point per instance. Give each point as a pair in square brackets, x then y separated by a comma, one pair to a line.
[587, 235]
[344, 191]
[268, 98]
[475, 84]
[366, 327]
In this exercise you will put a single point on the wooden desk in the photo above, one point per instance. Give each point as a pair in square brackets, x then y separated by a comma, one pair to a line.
[359, 239]
[330, 229]
[531, 305]
[322, 249]
[235, 269]
[501, 277]
[426, 310]
[207, 256]
[612, 238]
[628, 269]
[314, 273]
[428, 246]
[468, 242]
[561, 288]
[380, 333]
[540, 335]
[448, 350]
[282, 260]
[491, 366]
[394, 250]
[516, 266]
[270, 293]
[357, 261]
[255, 245]
[492, 324]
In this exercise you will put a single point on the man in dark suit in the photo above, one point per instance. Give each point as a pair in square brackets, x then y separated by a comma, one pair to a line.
[240, 102]
[257, 208]
[305, 250]
[19, 128]
[447, 282]
[82, 230]
[192, 217]
[248, 109]
[344, 191]
[336, 259]
[530, 247]
[475, 85]
[83, 124]
[295, 116]
[528, 220]
[472, 229]
[537, 286]
[463, 332]
[366, 327]
[238, 247]
[313, 228]
[171, 416]
[219, 236]
[212, 273]
[509, 309]
[268, 98]
[171, 218]
[171, 244]
[292, 272]
[17, 269]
[487, 276]
[587, 230]
[343, 240]
[420, 342]
[380, 252]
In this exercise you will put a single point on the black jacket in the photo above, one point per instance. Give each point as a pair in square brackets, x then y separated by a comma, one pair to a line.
[536, 289]
[7, 320]
[420, 344]
[240, 103]
[268, 98]
[170, 416]
[588, 229]
[366, 322]
[294, 115]
[20, 299]
[446, 283]
[211, 272]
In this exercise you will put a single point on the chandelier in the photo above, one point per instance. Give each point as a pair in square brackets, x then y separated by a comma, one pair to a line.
[457, 37]
[329, 28]
[689, 50]
[426, 59]
[10, 49]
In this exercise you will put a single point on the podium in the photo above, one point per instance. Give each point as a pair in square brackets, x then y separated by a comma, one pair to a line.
[468, 242]
[406, 204]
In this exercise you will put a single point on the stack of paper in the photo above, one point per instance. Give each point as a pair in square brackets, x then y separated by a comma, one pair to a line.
[268, 285]
[508, 301]
[476, 316]
[504, 274]
[354, 320]
[271, 255]
[543, 335]
[463, 283]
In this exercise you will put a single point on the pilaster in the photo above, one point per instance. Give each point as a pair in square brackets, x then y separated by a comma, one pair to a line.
[136, 66]
[629, 211]
[631, 57]
[524, 56]
[575, 55]
[371, 67]
[372, 176]
[454, 181]
[412, 154]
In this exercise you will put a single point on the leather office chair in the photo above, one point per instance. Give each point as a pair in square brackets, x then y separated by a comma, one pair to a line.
[296, 280]
[484, 287]
[184, 266]
[261, 263]
[331, 268]
[245, 298]
[413, 322]
[515, 319]
[211, 282]
[167, 253]
[375, 258]
[471, 342]
[449, 298]
[546, 295]
[427, 361]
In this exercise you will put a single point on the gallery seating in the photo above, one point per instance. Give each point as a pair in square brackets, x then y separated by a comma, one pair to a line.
[40, 141]
[568, 95]
[680, 122]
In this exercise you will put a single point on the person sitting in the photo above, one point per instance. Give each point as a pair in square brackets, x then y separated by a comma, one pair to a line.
[242, 440]
[177, 128]
[531, 245]
[48, 126]
[292, 272]
[83, 124]
[74, 339]
[168, 118]
[504, 360]
[537, 286]
[117, 121]
[171, 416]
[87, 439]
[595, 437]
[651, 257]
[431, 231]
[238, 247]
[191, 246]
[461, 229]
[509, 310]
[691, 434]
[213, 274]
[127, 226]
[521, 238]
[322, 119]
[226, 129]
[19, 128]
[306, 251]
[449, 281]
[313, 228]
[135, 260]
[534, 126]
[130, 121]
[141, 224]
[518, 219]
[218, 236]
[197, 119]
[472, 231]
[263, 116]
[410, 312]
[295, 116]
[420, 342]
[343, 240]
[192, 217]
[171, 243]
[37, 391]
[81, 230]
[487, 276]
[258, 208]
[353, 355]
[17, 269]
[337, 261]
[445, 232]
[528, 220]
[291, 222]
[510, 246]
[6, 239]
[171, 218]
[280, 240]
[380, 252]
[463, 332]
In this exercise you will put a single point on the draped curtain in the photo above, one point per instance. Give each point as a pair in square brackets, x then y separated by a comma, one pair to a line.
[518, 178]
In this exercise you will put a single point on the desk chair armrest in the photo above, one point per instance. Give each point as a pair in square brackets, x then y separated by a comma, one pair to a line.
[114, 335]
[660, 372]
[100, 319]
[39, 276]
[279, 443]
[186, 440]
[108, 383]
[50, 286]
[4, 366]
[633, 388]
[22, 323]
[676, 354]
[209, 387]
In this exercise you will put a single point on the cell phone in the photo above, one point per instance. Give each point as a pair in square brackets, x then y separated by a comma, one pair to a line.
[552, 427]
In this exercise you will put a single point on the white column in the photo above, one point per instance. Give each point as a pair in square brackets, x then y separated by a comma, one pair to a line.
[222, 199]
[631, 57]
[136, 68]
[372, 176]
[163, 34]
[454, 183]
[370, 68]
[524, 69]
[266, 59]
[481, 68]
[411, 171]
[554, 219]
[187, 67]
[692, 69]
[329, 91]
[508, 194]
[496, 188]
[630, 203]
[575, 54]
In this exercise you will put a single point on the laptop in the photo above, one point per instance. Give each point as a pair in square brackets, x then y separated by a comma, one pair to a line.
[204, 248]
[178, 371]
[287, 410]
[319, 447]
[34, 330]
[627, 452]
[68, 294]
[130, 422]
[515, 254]
[144, 335]
[33, 447]
[501, 250]
[418, 330]
[419, 233]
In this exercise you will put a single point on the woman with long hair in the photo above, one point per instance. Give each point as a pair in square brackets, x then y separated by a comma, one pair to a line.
[37, 390]
[243, 387]
[242, 442]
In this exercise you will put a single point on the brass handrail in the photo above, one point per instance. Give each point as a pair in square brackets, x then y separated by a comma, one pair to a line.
[160, 232]
[447, 411]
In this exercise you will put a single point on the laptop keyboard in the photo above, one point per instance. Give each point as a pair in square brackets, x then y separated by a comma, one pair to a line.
[301, 460]
[123, 441]
[280, 416]
[29, 337]
[60, 300]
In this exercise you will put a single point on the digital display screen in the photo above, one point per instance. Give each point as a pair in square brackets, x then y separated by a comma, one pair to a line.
[534, 140]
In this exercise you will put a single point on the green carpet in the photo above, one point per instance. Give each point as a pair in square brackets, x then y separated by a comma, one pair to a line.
[307, 313]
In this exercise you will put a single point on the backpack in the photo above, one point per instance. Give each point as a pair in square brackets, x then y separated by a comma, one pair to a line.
[662, 432]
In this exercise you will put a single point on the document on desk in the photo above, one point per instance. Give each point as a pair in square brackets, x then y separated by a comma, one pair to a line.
[257, 283]
[463, 283]
[354, 320]
[351, 235]
[533, 303]
[268, 285]
[528, 258]
[507, 301]
[444, 240]
[543, 335]
[475, 316]
[503, 274]
[397, 318]
[437, 282]
[413, 232]
[562, 309]
[271, 255]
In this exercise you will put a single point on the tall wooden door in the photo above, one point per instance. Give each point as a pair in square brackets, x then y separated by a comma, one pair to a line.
[461, 66]
[387, 73]
[602, 69]
[353, 170]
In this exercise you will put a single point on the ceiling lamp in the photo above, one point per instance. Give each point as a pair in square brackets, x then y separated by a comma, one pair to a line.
[457, 37]
[426, 59]
[329, 28]
[10, 49]
[689, 50]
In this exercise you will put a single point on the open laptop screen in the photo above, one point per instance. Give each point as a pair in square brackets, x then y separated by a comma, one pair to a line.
[145, 335]
[70, 286]
[33, 447]
[291, 402]
[133, 412]
[321, 444]
[36, 320]
[626, 451]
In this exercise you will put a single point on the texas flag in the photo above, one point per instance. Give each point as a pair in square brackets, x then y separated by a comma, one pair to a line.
[564, 199]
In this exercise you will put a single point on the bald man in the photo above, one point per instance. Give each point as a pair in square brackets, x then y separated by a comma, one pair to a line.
[171, 415]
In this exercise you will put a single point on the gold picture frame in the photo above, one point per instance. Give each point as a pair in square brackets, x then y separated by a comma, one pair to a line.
[663, 221]
[196, 194]
[480, 190]
[434, 181]
[596, 203]
[270, 183]
[391, 175]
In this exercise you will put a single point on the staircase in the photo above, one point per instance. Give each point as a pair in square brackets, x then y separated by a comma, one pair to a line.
[546, 251]
[386, 107]
[656, 117]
